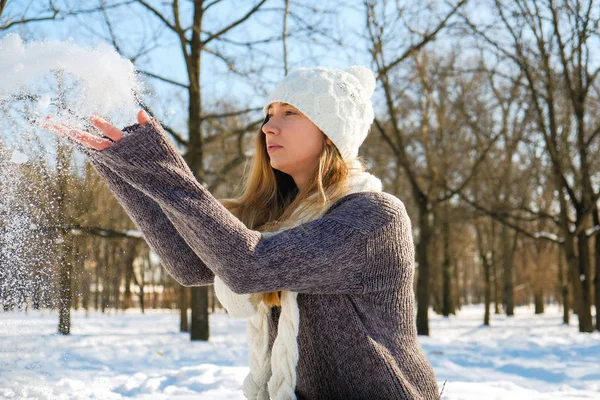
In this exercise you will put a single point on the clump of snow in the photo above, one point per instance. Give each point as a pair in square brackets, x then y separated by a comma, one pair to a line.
[43, 103]
[592, 230]
[97, 78]
[18, 157]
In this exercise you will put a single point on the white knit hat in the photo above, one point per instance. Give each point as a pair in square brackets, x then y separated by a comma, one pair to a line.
[338, 102]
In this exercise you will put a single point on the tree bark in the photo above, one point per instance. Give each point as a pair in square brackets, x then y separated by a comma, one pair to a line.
[447, 307]
[194, 158]
[507, 263]
[183, 309]
[585, 314]
[538, 286]
[597, 261]
[563, 286]
[423, 291]
[486, 265]
[200, 328]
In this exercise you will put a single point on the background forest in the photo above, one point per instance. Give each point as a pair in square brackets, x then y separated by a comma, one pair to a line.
[487, 128]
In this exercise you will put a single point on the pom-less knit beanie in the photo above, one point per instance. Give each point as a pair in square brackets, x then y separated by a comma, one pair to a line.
[337, 101]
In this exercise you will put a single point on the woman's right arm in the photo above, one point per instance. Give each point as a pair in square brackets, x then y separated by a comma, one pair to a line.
[160, 234]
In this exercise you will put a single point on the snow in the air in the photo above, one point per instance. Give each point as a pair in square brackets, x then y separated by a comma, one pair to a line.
[130, 355]
[18, 157]
[95, 79]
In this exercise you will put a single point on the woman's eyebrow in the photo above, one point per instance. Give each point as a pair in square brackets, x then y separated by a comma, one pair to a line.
[283, 105]
[288, 105]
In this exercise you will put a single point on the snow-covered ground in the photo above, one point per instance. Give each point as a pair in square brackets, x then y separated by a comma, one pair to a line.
[115, 356]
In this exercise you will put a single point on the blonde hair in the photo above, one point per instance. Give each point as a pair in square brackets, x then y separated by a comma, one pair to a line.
[270, 196]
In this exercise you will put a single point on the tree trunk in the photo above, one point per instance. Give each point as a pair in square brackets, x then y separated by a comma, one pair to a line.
[200, 329]
[585, 312]
[195, 160]
[487, 290]
[447, 308]
[597, 261]
[130, 258]
[507, 263]
[86, 281]
[423, 291]
[486, 264]
[213, 299]
[573, 266]
[456, 300]
[563, 286]
[116, 280]
[107, 267]
[183, 309]
[538, 285]
[539, 301]
[498, 297]
[99, 258]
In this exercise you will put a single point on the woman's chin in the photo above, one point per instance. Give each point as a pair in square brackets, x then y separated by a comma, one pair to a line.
[277, 165]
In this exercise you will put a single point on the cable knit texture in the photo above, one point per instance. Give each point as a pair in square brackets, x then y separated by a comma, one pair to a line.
[351, 270]
[337, 101]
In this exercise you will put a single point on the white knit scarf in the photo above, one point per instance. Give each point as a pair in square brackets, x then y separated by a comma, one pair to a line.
[273, 372]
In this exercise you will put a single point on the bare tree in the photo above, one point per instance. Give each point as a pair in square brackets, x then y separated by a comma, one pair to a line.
[383, 36]
[551, 45]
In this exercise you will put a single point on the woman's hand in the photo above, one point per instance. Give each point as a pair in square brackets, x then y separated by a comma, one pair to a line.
[87, 139]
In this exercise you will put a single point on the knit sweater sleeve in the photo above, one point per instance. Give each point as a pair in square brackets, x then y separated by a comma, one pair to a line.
[160, 234]
[326, 255]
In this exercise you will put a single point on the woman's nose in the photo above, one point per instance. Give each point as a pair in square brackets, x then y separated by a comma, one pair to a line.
[271, 127]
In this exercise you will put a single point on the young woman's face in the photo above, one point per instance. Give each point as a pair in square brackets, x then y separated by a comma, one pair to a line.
[294, 143]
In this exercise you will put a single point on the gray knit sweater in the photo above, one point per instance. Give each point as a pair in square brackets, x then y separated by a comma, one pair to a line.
[353, 268]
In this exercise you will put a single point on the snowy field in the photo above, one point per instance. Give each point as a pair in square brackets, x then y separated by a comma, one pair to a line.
[130, 355]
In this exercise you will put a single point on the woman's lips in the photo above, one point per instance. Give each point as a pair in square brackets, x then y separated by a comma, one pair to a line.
[273, 148]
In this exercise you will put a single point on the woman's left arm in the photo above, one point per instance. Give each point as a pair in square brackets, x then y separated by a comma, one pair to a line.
[321, 256]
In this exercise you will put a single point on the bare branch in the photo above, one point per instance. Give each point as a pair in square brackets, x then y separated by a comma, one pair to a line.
[157, 14]
[77, 230]
[228, 132]
[161, 78]
[230, 114]
[234, 162]
[593, 136]
[250, 43]
[426, 39]
[502, 217]
[233, 24]
[473, 170]
[226, 60]
[178, 138]
[209, 5]
[111, 31]
[55, 13]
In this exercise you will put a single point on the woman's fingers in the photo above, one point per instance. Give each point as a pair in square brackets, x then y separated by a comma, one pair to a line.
[89, 140]
[82, 137]
[143, 117]
[109, 130]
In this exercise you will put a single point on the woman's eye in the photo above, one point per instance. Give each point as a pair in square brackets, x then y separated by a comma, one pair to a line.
[290, 112]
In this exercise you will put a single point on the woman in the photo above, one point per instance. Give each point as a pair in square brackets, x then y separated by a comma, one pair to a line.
[318, 257]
